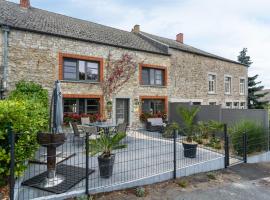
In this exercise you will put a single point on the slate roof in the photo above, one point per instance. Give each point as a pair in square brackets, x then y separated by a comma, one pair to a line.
[183, 47]
[42, 21]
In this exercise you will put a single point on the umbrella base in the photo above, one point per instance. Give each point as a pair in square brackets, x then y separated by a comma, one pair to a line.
[52, 180]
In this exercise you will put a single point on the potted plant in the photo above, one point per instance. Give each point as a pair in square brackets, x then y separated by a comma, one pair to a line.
[189, 126]
[169, 130]
[105, 145]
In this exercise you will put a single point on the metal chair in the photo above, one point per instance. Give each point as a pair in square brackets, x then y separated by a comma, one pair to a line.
[78, 135]
[91, 130]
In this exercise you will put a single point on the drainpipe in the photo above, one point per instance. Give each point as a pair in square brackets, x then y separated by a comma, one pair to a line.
[3, 88]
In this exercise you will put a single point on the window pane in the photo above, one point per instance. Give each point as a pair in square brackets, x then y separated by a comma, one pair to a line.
[81, 106]
[158, 77]
[153, 106]
[145, 77]
[70, 69]
[152, 76]
[92, 71]
[70, 106]
[92, 106]
[81, 70]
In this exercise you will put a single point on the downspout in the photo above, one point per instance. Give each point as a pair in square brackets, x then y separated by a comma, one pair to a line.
[5, 30]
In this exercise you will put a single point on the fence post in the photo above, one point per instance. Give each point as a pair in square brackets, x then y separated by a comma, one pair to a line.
[87, 164]
[245, 147]
[226, 147]
[12, 163]
[174, 153]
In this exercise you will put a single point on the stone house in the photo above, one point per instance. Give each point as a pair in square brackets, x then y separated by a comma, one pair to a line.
[42, 46]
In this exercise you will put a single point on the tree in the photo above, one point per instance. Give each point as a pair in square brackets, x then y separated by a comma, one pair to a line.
[253, 86]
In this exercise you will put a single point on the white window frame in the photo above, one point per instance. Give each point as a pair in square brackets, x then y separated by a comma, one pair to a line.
[236, 107]
[231, 102]
[244, 87]
[230, 86]
[214, 83]
[242, 107]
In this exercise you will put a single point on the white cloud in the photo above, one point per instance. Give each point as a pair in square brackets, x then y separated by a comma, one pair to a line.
[221, 27]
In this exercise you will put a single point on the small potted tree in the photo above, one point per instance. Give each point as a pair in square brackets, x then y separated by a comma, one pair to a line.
[189, 127]
[105, 145]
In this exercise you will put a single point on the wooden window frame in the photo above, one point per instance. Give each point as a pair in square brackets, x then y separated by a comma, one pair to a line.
[88, 96]
[141, 66]
[62, 56]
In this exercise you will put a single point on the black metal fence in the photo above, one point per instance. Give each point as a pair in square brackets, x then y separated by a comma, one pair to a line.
[148, 158]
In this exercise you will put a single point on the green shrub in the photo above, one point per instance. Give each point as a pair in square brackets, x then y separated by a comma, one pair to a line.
[140, 192]
[256, 138]
[27, 115]
[182, 183]
[169, 130]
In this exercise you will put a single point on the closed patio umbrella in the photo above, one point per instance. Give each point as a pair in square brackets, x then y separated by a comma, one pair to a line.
[57, 108]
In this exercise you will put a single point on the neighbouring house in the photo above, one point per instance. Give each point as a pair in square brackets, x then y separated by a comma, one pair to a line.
[43, 46]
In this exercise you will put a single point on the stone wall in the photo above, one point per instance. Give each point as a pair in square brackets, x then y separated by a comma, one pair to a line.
[189, 78]
[1, 54]
[35, 57]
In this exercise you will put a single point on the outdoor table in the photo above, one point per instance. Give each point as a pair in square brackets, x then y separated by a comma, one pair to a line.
[104, 125]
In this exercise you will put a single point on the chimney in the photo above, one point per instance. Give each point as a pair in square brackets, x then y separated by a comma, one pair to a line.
[25, 3]
[136, 29]
[180, 37]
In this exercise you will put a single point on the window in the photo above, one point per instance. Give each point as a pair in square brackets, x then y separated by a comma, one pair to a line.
[151, 76]
[153, 106]
[228, 84]
[242, 105]
[196, 103]
[74, 69]
[228, 104]
[236, 105]
[80, 106]
[242, 86]
[212, 103]
[211, 83]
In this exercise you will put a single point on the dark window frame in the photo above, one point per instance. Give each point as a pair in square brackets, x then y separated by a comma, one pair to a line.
[154, 70]
[154, 101]
[78, 71]
[85, 105]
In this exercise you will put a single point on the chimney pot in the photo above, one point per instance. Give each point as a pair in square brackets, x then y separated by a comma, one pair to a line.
[136, 29]
[25, 3]
[180, 37]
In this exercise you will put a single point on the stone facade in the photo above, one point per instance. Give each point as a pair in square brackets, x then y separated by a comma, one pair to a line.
[35, 57]
[189, 79]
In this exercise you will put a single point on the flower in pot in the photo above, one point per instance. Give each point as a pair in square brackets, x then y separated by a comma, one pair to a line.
[105, 145]
[189, 127]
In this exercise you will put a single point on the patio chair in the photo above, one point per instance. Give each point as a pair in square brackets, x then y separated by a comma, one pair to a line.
[85, 120]
[78, 135]
[155, 125]
[92, 130]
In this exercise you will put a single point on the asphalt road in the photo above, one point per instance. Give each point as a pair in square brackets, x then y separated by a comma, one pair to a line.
[254, 185]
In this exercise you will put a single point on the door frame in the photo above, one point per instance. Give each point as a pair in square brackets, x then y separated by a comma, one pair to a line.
[130, 117]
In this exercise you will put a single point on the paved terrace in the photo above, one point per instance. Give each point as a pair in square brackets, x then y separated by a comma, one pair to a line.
[147, 155]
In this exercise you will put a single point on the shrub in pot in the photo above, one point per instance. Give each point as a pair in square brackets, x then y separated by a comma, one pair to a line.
[169, 130]
[105, 144]
[189, 128]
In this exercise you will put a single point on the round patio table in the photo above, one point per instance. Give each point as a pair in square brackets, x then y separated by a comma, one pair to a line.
[104, 125]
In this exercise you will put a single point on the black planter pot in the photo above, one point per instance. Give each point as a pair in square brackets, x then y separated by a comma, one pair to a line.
[190, 150]
[106, 166]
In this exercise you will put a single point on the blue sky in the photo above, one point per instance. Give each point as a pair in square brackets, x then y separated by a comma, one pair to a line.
[222, 27]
